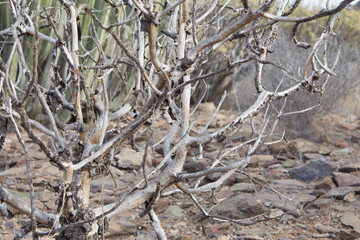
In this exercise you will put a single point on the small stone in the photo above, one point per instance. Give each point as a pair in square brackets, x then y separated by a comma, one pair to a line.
[355, 204]
[257, 177]
[339, 193]
[356, 190]
[303, 198]
[121, 227]
[326, 184]
[224, 237]
[130, 159]
[341, 208]
[241, 206]
[116, 172]
[288, 184]
[318, 192]
[350, 198]
[250, 237]
[295, 213]
[224, 194]
[274, 165]
[350, 168]
[322, 203]
[326, 229]
[276, 201]
[161, 205]
[260, 160]
[349, 235]
[221, 226]
[302, 237]
[267, 204]
[343, 151]
[241, 178]
[287, 218]
[313, 170]
[195, 165]
[289, 163]
[186, 204]
[313, 156]
[174, 212]
[351, 220]
[347, 126]
[276, 213]
[243, 187]
[299, 147]
[346, 180]
[213, 177]
[257, 231]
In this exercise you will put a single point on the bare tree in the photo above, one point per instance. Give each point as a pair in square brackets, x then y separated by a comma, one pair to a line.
[152, 49]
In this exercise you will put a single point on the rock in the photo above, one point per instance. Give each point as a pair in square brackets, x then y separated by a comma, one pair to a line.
[302, 237]
[343, 151]
[276, 213]
[288, 184]
[161, 205]
[243, 187]
[349, 235]
[303, 198]
[130, 159]
[355, 205]
[289, 163]
[195, 165]
[350, 219]
[298, 148]
[326, 229]
[341, 208]
[339, 193]
[221, 226]
[318, 192]
[117, 173]
[347, 126]
[356, 174]
[276, 201]
[256, 231]
[322, 203]
[240, 207]
[350, 198]
[223, 237]
[341, 143]
[250, 237]
[350, 168]
[316, 169]
[207, 108]
[224, 193]
[346, 179]
[120, 228]
[313, 156]
[260, 160]
[213, 177]
[257, 177]
[356, 190]
[241, 178]
[186, 204]
[174, 212]
[326, 184]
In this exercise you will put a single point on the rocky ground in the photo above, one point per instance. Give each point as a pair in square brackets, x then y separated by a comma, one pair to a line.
[309, 189]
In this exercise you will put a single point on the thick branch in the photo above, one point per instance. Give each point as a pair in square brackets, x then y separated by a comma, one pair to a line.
[19, 204]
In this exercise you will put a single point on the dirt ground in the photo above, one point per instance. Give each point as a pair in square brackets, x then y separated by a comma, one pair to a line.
[325, 207]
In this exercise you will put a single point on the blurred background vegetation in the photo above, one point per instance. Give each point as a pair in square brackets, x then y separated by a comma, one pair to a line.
[343, 91]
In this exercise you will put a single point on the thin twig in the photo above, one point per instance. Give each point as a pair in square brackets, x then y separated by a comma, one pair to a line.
[28, 171]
